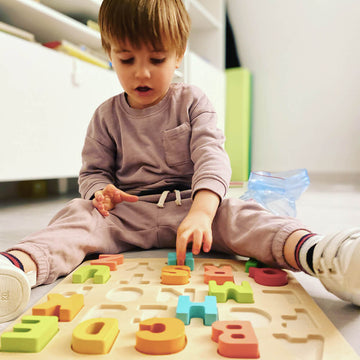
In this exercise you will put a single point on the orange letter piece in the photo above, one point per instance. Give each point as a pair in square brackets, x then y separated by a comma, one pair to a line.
[112, 261]
[220, 275]
[65, 308]
[160, 336]
[175, 275]
[236, 339]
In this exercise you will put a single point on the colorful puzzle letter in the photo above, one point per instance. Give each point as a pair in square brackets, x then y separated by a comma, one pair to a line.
[175, 275]
[240, 293]
[189, 260]
[95, 336]
[100, 273]
[31, 336]
[186, 310]
[219, 275]
[269, 276]
[161, 336]
[65, 308]
[112, 261]
[236, 339]
[253, 263]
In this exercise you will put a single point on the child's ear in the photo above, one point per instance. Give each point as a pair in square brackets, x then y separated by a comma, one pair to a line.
[179, 59]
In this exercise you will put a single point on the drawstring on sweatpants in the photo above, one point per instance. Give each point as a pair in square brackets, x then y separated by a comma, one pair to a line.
[164, 195]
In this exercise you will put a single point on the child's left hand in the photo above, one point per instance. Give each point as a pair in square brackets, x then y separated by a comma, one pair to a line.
[195, 228]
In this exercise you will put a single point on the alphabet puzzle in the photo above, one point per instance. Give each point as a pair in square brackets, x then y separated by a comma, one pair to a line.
[116, 308]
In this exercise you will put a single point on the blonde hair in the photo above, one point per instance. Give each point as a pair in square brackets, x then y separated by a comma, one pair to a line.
[165, 24]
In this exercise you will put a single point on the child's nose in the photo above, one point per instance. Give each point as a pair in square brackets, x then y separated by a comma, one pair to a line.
[142, 72]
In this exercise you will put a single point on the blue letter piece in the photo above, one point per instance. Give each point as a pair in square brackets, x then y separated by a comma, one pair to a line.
[207, 310]
[189, 259]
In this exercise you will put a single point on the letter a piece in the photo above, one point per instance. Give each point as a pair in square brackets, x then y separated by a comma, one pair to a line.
[269, 276]
[100, 273]
[186, 310]
[175, 275]
[112, 261]
[95, 336]
[31, 336]
[219, 275]
[236, 339]
[240, 293]
[65, 308]
[160, 336]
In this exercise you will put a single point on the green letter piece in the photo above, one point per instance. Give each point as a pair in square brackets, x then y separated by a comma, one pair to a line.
[240, 293]
[31, 336]
[100, 273]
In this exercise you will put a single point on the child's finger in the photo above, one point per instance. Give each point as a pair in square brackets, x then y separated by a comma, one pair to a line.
[99, 197]
[181, 244]
[128, 197]
[197, 241]
[207, 241]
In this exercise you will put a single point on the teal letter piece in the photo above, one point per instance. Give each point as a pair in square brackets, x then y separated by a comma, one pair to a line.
[207, 310]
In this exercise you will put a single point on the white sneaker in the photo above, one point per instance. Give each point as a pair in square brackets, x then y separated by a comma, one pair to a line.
[336, 262]
[15, 288]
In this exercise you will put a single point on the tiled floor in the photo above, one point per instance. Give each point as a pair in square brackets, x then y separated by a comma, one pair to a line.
[325, 207]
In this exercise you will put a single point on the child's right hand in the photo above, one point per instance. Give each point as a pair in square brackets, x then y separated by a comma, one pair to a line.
[106, 199]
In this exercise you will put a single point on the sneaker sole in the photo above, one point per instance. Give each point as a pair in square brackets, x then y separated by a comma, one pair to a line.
[14, 293]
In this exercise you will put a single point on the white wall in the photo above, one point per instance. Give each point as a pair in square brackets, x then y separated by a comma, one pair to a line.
[305, 60]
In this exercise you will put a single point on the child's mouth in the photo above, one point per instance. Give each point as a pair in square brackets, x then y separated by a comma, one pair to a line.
[143, 89]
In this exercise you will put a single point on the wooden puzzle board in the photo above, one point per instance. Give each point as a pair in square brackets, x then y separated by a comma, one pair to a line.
[287, 322]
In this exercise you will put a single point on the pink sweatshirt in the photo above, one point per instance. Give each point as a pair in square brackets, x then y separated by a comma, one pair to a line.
[175, 142]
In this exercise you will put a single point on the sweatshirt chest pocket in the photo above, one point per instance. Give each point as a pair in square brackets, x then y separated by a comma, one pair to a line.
[176, 144]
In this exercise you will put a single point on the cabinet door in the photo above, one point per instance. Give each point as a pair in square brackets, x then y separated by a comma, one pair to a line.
[46, 101]
[212, 81]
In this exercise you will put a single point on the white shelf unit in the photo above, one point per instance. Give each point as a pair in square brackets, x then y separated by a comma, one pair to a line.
[49, 97]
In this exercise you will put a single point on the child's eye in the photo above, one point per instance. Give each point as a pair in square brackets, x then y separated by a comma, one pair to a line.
[127, 61]
[157, 61]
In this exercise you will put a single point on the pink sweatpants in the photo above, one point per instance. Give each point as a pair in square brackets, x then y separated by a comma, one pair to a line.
[239, 227]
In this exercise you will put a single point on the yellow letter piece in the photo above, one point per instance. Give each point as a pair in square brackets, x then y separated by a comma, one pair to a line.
[160, 336]
[95, 336]
[65, 308]
[175, 275]
[31, 336]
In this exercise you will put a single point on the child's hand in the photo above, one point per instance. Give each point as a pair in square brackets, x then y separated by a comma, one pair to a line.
[195, 228]
[106, 199]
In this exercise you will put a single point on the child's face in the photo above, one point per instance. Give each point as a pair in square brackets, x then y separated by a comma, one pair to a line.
[144, 74]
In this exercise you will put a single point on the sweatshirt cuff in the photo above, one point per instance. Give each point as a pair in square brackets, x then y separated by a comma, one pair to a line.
[215, 186]
[89, 194]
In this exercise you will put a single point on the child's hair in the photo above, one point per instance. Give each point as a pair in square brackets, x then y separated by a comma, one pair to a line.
[165, 24]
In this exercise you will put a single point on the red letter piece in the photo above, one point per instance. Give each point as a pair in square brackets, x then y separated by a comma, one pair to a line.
[112, 261]
[236, 339]
[219, 275]
[269, 276]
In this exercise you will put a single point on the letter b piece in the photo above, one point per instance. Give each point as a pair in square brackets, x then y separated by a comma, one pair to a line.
[236, 339]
